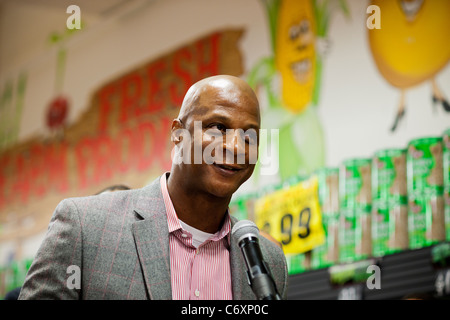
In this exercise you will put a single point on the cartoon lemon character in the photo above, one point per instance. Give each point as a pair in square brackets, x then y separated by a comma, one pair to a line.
[295, 56]
[412, 45]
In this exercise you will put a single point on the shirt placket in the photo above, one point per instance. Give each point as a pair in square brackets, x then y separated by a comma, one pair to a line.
[196, 290]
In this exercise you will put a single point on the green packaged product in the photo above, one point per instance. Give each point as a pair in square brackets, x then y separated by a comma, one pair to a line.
[298, 263]
[446, 177]
[355, 188]
[347, 236]
[389, 226]
[424, 165]
[243, 207]
[237, 208]
[355, 239]
[328, 192]
[446, 158]
[326, 255]
[426, 220]
[328, 182]
[447, 213]
[389, 174]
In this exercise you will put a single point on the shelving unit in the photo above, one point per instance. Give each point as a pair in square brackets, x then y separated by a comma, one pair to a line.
[402, 274]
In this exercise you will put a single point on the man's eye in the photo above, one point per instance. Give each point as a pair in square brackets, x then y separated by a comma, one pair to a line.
[219, 127]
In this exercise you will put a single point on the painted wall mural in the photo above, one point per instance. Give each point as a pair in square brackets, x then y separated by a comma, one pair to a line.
[291, 79]
[411, 47]
[119, 137]
[12, 94]
[122, 137]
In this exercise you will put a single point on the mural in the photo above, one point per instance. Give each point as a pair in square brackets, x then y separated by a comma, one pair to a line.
[119, 137]
[122, 137]
[12, 94]
[291, 80]
[411, 47]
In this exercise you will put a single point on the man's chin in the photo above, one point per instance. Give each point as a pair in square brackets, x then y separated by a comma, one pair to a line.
[222, 192]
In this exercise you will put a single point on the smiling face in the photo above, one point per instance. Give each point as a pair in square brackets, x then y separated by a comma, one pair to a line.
[222, 117]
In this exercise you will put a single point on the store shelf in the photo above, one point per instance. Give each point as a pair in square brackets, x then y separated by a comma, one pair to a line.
[402, 274]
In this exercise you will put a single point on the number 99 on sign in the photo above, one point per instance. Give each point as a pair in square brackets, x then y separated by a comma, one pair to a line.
[292, 217]
[287, 224]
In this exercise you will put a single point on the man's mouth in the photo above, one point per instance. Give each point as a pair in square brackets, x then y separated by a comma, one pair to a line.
[228, 168]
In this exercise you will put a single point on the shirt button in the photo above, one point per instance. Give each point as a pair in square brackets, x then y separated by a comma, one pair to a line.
[197, 293]
[184, 235]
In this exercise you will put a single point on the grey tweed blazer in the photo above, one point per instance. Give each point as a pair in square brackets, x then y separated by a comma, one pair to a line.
[120, 243]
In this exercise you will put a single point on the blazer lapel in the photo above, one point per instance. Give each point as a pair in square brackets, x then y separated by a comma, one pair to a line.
[151, 236]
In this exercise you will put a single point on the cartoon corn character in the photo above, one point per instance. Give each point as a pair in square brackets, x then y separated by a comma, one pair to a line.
[412, 45]
[291, 80]
[295, 56]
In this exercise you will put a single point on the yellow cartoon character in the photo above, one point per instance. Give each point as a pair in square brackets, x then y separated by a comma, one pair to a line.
[412, 45]
[291, 79]
[295, 56]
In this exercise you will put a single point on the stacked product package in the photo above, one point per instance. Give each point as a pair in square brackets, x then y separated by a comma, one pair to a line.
[389, 202]
[328, 253]
[425, 183]
[355, 205]
[446, 177]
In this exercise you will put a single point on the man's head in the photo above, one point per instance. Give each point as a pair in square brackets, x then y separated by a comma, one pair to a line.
[221, 116]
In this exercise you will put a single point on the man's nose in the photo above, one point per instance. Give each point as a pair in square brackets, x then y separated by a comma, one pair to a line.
[235, 142]
[234, 147]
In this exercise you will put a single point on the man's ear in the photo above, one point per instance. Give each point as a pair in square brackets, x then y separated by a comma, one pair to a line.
[175, 135]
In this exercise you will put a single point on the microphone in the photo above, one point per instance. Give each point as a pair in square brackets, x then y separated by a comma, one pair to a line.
[258, 273]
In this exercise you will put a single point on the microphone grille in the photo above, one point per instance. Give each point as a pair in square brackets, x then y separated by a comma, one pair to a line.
[243, 229]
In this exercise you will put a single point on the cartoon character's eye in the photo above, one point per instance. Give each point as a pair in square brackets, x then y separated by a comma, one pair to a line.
[304, 26]
[294, 32]
[299, 29]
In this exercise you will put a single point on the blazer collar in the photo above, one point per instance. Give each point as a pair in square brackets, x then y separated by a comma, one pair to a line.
[151, 237]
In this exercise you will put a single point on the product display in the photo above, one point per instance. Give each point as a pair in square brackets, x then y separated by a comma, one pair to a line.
[328, 253]
[355, 198]
[446, 177]
[398, 200]
[424, 165]
[389, 227]
[389, 202]
[426, 220]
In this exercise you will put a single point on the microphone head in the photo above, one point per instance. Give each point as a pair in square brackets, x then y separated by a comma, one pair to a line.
[244, 229]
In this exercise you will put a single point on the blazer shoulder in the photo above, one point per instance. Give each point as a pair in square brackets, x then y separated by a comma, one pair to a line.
[96, 208]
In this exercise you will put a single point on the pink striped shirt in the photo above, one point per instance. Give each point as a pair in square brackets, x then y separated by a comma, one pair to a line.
[201, 273]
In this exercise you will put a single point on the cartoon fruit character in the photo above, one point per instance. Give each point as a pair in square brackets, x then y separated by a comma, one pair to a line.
[291, 79]
[412, 45]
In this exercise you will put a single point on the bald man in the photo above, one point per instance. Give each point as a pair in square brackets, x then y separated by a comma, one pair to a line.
[172, 238]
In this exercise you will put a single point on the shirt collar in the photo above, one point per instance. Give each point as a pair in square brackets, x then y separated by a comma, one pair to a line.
[172, 218]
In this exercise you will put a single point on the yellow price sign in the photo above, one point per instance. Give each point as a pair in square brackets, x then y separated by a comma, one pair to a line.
[292, 216]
